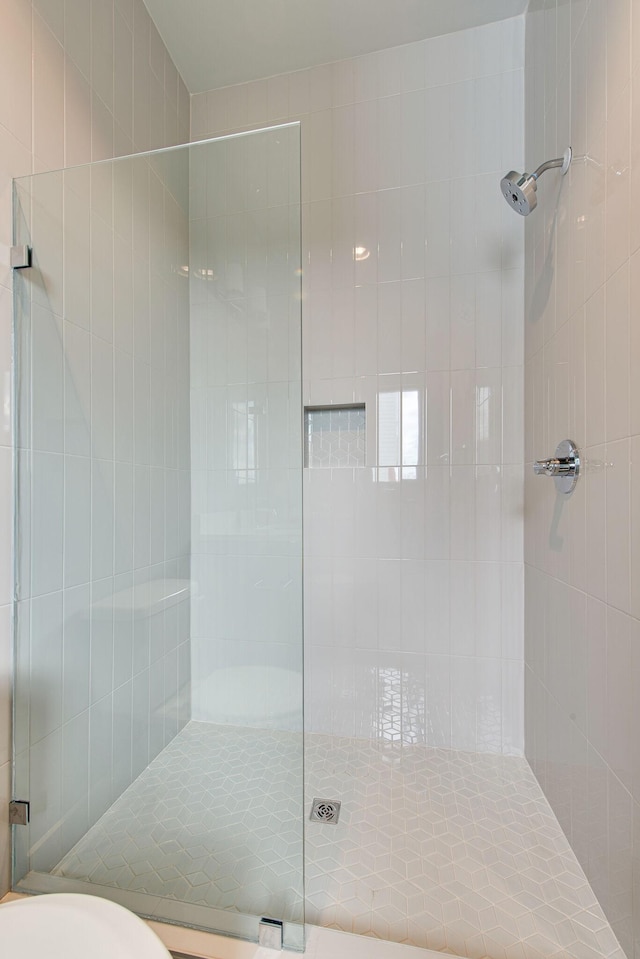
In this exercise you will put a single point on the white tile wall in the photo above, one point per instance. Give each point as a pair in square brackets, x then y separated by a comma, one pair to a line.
[412, 281]
[582, 622]
[78, 82]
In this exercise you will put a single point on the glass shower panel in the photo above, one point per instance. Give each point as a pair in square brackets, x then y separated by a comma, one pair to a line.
[158, 708]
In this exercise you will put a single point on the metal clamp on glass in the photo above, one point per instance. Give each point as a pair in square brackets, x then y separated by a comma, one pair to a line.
[564, 466]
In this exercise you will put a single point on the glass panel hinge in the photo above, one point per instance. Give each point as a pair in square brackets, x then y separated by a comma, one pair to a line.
[18, 812]
[270, 933]
[20, 257]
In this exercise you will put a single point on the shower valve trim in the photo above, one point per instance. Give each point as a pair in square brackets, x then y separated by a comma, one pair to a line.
[564, 467]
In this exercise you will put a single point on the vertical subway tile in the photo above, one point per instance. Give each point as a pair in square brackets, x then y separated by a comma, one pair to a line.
[618, 524]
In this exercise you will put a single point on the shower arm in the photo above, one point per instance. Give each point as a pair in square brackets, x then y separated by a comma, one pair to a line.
[548, 165]
[562, 162]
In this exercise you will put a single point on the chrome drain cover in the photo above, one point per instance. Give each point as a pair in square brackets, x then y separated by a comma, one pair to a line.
[325, 810]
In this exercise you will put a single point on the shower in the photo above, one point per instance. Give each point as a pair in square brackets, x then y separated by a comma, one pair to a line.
[269, 617]
[520, 189]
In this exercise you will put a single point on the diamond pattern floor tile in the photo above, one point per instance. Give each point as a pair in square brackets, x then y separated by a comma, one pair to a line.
[216, 820]
[446, 850]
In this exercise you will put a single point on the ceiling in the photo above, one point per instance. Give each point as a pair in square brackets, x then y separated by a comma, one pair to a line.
[218, 42]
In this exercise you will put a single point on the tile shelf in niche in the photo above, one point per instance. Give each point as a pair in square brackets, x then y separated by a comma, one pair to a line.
[335, 436]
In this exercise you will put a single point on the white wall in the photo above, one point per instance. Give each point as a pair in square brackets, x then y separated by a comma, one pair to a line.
[582, 553]
[78, 81]
[413, 579]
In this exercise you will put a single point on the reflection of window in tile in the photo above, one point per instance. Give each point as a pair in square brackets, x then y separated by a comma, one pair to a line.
[399, 433]
[400, 715]
[410, 433]
[335, 436]
[389, 429]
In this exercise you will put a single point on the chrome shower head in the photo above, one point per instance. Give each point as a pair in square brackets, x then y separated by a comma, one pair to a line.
[520, 189]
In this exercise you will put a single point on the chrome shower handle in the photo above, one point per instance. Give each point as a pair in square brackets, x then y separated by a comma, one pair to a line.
[564, 466]
[555, 467]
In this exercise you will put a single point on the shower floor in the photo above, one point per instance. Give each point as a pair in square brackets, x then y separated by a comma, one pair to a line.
[446, 850]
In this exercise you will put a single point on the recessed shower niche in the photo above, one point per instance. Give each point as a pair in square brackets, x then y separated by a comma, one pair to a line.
[335, 436]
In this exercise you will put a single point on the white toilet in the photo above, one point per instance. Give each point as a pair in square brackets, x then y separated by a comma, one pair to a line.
[70, 926]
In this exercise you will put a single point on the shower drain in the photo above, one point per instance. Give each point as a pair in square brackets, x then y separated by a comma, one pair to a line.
[325, 810]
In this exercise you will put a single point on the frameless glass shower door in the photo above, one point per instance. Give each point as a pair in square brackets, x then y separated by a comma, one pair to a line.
[158, 625]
